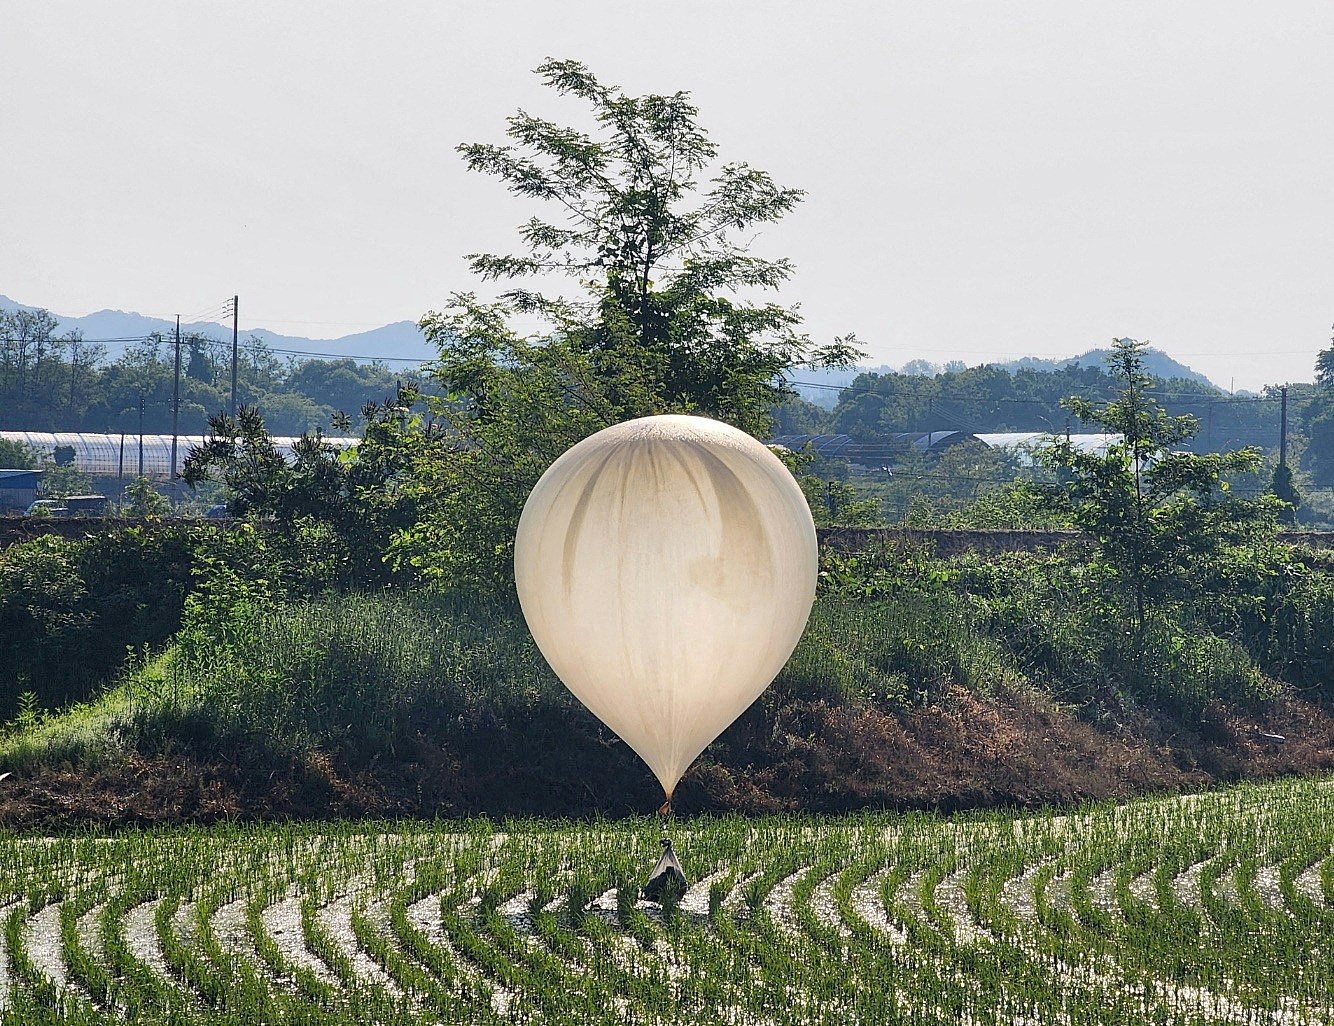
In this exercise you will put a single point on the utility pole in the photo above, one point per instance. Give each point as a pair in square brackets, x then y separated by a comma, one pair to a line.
[236, 303]
[141, 434]
[1283, 429]
[176, 398]
[73, 365]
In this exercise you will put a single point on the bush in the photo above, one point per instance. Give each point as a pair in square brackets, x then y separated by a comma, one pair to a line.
[69, 608]
[1058, 622]
[1190, 669]
[143, 500]
[1292, 634]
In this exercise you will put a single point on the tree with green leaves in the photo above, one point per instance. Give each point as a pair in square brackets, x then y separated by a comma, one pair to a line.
[27, 337]
[1284, 488]
[62, 480]
[18, 455]
[1324, 366]
[1317, 419]
[143, 500]
[651, 232]
[661, 317]
[333, 511]
[1165, 521]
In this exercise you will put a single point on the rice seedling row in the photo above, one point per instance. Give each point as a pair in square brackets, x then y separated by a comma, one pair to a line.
[1208, 909]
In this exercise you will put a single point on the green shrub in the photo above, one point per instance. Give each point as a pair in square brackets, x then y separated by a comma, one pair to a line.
[892, 627]
[1190, 669]
[1058, 621]
[1292, 636]
[70, 607]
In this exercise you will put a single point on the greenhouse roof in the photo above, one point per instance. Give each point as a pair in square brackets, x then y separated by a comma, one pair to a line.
[106, 454]
[1032, 439]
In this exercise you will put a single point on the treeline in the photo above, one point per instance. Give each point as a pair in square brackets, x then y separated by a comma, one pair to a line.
[994, 399]
[59, 382]
[991, 398]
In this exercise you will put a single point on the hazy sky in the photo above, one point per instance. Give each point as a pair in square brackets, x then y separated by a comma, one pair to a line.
[985, 180]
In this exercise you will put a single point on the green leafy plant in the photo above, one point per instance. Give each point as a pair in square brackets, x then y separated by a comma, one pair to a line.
[332, 513]
[1164, 520]
[15, 455]
[1284, 488]
[143, 500]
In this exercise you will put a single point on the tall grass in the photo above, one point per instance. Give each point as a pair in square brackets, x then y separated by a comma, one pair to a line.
[897, 651]
[359, 670]
[365, 671]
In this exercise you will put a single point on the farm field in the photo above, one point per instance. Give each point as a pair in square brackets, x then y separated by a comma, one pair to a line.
[1214, 908]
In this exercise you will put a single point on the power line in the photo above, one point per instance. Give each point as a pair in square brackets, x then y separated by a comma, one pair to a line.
[208, 313]
[289, 320]
[1062, 361]
[351, 356]
[212, 316]
[86, 341]
[163, 338]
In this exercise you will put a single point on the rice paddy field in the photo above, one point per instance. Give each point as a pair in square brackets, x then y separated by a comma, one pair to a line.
[1214, 908]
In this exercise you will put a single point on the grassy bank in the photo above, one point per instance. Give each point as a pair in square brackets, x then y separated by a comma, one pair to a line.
[920, 682]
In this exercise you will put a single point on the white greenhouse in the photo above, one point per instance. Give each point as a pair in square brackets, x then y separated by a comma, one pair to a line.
[113, 455]
[1026, 442]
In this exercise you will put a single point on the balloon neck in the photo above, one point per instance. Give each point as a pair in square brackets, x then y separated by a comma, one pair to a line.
[666, 809]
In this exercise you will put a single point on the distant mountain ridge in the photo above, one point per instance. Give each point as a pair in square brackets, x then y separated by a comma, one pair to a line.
[400, 341]
[1156, 362]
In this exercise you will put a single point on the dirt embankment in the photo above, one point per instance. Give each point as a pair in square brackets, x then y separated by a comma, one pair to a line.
[1010, 750]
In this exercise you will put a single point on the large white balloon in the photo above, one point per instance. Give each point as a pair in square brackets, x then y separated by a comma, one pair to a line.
[666, 567]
